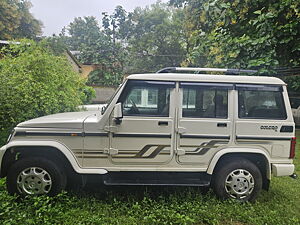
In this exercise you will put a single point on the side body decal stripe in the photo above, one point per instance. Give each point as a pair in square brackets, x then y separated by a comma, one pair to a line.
[81, 134]
[143, 135]
[263, 138]
[203, 136]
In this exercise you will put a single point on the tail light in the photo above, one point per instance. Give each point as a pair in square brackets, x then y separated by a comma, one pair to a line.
[293, 148]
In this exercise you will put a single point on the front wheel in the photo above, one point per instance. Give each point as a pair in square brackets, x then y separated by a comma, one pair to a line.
[238, 179]
[35, 176]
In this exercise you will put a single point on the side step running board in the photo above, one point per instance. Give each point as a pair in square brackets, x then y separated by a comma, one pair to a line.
[157, 178]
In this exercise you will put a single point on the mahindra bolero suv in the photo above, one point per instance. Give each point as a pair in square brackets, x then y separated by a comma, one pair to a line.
[227, 132]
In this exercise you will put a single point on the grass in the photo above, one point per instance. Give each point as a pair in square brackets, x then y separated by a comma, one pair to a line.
[156, 205]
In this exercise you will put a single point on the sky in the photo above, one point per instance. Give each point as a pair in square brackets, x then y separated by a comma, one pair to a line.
[55, 14]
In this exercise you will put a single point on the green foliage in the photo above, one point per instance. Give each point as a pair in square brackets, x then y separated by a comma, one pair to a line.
[34, 82]
[250, 34]
[155, 205]
[258, 34]
[83, 32]
[103, 77]
[177, 3]
[155, 39]
[141, 41]
[16, 21]
[244, 34]
[96, 47]
[118, 25]
[55, 44]
[89, 94]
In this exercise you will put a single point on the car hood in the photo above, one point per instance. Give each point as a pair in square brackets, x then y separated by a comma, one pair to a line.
[60, 120]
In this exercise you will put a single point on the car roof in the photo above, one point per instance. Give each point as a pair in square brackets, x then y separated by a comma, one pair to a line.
[207, 78]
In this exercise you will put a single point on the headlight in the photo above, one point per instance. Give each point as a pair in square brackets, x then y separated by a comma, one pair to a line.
[10, 135]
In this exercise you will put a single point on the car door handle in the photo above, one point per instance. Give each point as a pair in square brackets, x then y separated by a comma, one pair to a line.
[163, 123]
[221, 124]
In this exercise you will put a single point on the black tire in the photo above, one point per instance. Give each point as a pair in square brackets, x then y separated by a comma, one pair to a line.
[47, 177]
[243, 180]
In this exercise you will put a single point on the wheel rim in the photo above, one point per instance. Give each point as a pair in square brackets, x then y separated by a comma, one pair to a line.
[34, 181]
[239, 184]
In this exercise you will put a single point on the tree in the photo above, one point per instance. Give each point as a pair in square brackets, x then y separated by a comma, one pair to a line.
[243, 34]
[156, 39]
[141, 41]
[34, 82]
[118, 26]
[83, 32]
[96, 47]
[16, 21]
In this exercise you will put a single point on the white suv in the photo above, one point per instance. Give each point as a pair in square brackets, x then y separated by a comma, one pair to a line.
[227, 132]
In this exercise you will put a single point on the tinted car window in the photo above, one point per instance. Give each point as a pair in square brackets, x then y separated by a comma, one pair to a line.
[200, 102]
[260, 104]
[295, 102]
[146, 100]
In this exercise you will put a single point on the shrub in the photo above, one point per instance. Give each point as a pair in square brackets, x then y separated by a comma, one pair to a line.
[34, 82]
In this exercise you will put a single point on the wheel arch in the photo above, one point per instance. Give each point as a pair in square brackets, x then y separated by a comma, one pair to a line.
[256, 156]
[49, 149]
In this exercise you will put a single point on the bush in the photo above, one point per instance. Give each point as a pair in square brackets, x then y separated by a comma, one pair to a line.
[34, 82]
[89, 94]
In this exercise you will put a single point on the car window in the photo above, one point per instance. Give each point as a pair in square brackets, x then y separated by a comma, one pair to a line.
[199, 102]
[295, 102]
[146, 100]
[260, 104]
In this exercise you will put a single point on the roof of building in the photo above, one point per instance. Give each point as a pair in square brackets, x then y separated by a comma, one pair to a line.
[9, 42]
[73, 58]
[208, 78]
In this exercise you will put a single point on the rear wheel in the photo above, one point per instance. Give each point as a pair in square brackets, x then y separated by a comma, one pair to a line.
[35, 176]
[238, 179]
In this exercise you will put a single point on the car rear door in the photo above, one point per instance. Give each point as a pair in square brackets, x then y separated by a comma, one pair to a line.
[262, 119]
[205, 121]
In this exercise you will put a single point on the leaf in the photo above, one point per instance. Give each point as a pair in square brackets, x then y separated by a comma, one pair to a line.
[257, 12]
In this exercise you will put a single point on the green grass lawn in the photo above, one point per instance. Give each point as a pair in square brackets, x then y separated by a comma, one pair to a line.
[156, 205]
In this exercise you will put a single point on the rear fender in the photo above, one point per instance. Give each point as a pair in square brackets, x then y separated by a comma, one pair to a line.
[240, 152]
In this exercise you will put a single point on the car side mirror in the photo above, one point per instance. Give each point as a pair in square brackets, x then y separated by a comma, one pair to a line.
[118, 113]
[103, 109]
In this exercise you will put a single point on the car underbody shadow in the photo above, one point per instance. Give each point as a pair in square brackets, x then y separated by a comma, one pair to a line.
[97, 189]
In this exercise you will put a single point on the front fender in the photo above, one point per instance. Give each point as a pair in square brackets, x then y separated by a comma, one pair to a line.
[57, 145]
[225, 151]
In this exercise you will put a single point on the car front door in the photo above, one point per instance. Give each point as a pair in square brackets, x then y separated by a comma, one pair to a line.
[144, 135]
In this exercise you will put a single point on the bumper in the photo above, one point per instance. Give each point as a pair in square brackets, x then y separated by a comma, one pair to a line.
[283, 169]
